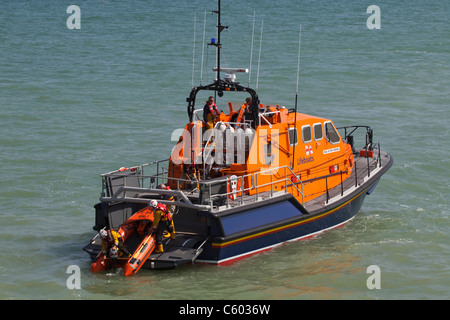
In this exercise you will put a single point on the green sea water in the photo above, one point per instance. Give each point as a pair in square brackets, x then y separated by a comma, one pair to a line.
[75, 103]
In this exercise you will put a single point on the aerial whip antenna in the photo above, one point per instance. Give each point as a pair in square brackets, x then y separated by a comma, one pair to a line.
[193, 51]
[203, 48]
[296, 94]
[251, 50]
[298, 65]
[259, 58]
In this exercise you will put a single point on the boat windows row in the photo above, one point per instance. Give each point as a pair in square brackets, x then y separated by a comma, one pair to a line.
[315, 133]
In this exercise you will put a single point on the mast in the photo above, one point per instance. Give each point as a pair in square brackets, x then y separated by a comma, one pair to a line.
[218, 44]
[219, 85]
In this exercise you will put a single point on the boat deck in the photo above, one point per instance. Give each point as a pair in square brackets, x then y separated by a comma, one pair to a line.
[364, 169]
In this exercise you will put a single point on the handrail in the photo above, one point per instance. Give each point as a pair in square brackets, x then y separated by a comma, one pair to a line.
[124, 189]
[285, 180]
[265, 119]
[355, 127]
[120, 193]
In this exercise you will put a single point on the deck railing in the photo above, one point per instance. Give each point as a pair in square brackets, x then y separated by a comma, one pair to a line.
[128, 184]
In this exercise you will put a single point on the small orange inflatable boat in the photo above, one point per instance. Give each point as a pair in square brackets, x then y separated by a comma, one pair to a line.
[140, 255]
[137, 229]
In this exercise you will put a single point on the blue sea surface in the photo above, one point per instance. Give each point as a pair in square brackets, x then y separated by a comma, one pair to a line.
[75, 103]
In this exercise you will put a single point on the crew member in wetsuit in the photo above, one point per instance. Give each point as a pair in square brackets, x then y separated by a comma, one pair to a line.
[162, 222]
[112, 241]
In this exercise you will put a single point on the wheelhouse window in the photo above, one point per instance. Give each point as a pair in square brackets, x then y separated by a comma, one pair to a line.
[293, 140]
[331, 133]
[318, 132]
[306, 134]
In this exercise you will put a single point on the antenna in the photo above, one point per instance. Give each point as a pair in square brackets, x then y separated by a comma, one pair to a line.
[298, 64]
[259, 58]
[193, 51]
[296, 93]
[251, 50]
[203, 48]
[217, 44]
